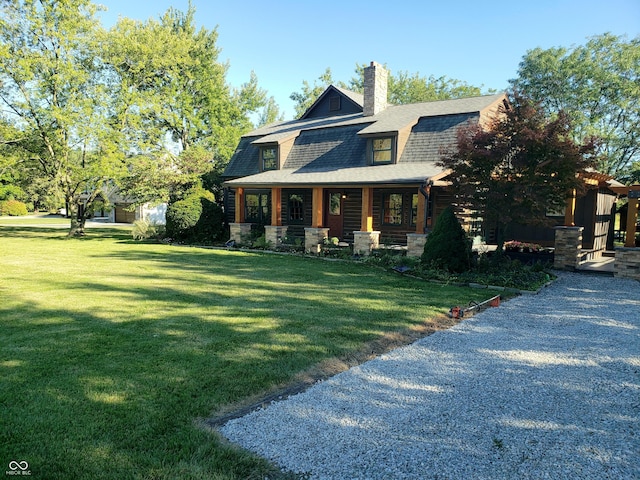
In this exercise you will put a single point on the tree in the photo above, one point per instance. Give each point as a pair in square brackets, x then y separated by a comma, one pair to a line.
[270, 113]
[171, 97]
[518, 168]
[51, 86]
[403, 88]
[597, 85]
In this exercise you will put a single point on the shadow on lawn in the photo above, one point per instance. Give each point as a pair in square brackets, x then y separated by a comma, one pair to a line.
[111, 378]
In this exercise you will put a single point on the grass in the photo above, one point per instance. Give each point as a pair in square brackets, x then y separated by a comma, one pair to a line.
[114, 352]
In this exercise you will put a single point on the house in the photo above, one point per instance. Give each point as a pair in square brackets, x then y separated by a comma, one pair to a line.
[354, 168]
[125, 210]
[351, 167]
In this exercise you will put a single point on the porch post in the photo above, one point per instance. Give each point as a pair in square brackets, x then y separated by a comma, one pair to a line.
[317, 208]
[420, 221]
[365, 240]
[570, 212]
[568, 247]
[276, 207]
[366, 219]
[239, 201]
[632, 219]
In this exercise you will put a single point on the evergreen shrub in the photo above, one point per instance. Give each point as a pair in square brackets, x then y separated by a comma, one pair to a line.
[447, 246]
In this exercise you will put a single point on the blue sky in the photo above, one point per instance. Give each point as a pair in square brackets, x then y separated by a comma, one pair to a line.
[288, 41]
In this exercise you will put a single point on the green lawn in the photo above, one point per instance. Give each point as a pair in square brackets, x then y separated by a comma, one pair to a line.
[112, 352]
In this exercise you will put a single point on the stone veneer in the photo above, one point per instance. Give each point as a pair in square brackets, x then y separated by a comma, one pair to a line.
[568, 248]
[415, 244]
[274, 234]
[239, 231]
[375, 89]
[627, 263]
[364, 242]
[314, 239]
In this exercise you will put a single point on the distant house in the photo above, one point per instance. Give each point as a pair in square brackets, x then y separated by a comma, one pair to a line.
[126, 211]
[351, 167]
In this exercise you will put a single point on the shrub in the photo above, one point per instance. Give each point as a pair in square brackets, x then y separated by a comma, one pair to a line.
[447, 246]
[143, 230]
[13, 208]
[516, 246]
[210, 225]
[182, 216]
[261, 243]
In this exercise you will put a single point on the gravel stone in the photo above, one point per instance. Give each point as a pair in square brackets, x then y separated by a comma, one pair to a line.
[543, 386]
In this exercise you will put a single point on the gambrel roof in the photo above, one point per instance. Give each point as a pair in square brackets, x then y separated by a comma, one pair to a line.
[332, 150]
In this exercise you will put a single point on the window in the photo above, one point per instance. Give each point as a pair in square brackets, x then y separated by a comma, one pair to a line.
[269, 159]
[257, 208]
[335, 199]
[382, 150]
[414, 209]
[392, 209]
[296, 208]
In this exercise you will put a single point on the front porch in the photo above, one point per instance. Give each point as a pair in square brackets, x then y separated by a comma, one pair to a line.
[364, 217]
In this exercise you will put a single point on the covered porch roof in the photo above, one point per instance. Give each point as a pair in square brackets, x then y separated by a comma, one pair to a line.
[403, 173]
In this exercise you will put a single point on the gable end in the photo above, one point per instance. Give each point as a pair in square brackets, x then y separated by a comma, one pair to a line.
[332, 102]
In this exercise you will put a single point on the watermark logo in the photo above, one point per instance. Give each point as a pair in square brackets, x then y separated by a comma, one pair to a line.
[18, 468]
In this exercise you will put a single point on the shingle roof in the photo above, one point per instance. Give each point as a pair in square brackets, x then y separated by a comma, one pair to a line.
[328, 149]
[407, 173]
[431, 135]
[396, 117]
[333, 150]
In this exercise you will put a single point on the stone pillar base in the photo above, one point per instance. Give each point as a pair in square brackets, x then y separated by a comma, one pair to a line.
[314, 239]
[364, 242]
[568, 248]
[627, 263]
[415, 244]
[239, 231]
[274, 234]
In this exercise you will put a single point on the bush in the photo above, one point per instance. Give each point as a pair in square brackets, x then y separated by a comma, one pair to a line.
[143, 230]
[182, 216]
[447, 246]
[210, 225]
[501, 271]
[13, 208]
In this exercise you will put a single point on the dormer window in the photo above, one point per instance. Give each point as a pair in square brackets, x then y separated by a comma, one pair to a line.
[382, 150]
[269, 158]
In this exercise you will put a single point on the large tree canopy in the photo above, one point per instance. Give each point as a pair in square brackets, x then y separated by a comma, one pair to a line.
[172, 96]
[403, 88]
[598, 86]
[518, 168]
[52, 91]
[84, 109]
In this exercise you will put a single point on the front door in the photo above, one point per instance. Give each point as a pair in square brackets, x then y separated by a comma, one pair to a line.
[335, 214]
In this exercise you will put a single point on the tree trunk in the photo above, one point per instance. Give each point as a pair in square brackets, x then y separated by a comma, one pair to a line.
[76, 228]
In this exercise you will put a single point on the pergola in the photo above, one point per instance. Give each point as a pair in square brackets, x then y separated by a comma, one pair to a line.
[633, 195]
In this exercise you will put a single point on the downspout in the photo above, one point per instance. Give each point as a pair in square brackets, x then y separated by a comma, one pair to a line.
[425, 190]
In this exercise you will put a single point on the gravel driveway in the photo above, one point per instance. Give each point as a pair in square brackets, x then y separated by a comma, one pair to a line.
[544, 386]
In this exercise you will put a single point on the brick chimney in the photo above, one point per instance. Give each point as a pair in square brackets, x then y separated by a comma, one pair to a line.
[375, 89]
